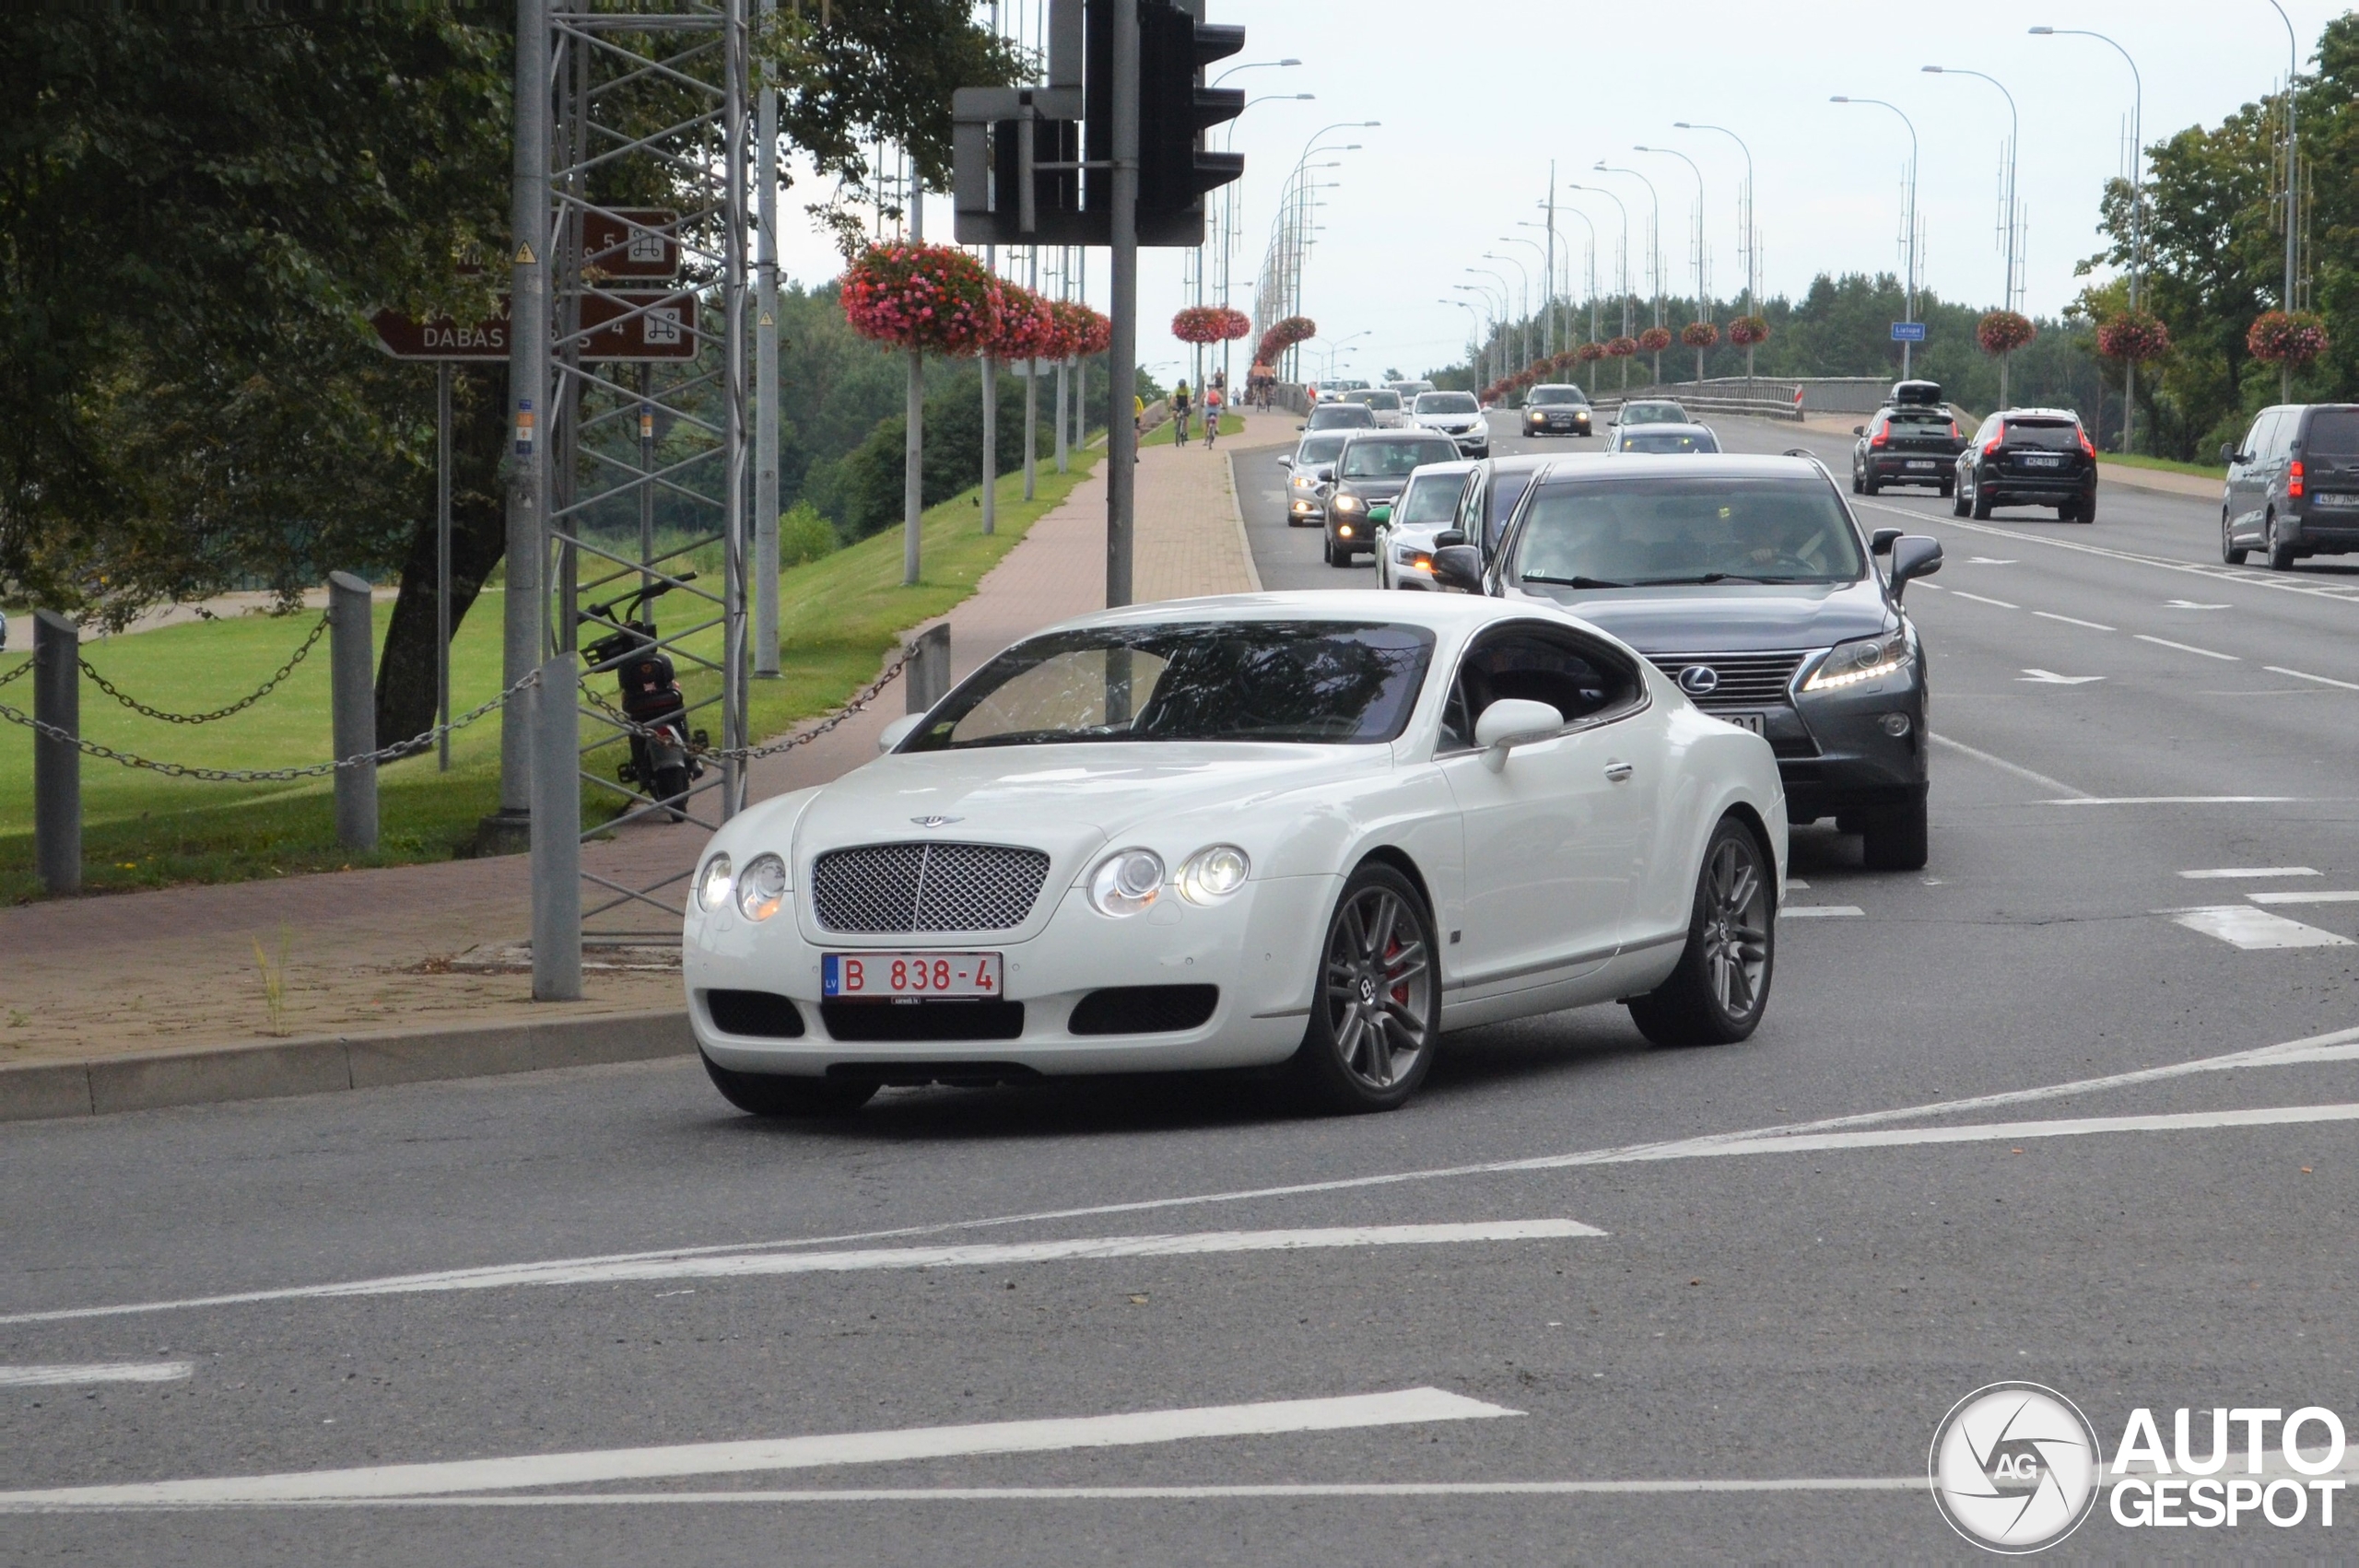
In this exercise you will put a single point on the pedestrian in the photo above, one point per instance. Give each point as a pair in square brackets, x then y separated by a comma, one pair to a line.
[1179, 405]
[1213, 402]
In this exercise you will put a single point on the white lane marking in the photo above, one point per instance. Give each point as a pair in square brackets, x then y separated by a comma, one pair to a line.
[99, 1371]
[2239, 872]
[1404, 1407]
[2189, 604]
[2051, 678]
[2341, 1045]
[2018, 769]
[2188, 648]
[1935, 587]
[1821, 911]
[1980, 599]
[2072, 621]
[2303, 897]
[2176, 801]
[2240, 925]
[1987, 561]
[2010, 1131]
[2302, 676]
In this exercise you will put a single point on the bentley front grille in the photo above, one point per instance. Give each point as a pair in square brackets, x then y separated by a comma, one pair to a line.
[884, 889]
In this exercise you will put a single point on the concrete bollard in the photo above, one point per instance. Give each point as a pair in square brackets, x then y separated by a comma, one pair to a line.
[927, 673]
[557, 831]
[57, 765]
[352, 691]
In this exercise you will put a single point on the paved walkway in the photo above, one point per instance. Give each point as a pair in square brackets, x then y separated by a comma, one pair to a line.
[374, 950]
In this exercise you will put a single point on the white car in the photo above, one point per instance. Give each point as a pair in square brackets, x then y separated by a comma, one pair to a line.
[1457, 416]
[1310, 829]
[1384, 402]
[1427, 506]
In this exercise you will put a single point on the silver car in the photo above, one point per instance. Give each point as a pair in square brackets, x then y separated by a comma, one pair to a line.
[1311, 477]
[1674, 440]
[1426, 507]
[1457, 416]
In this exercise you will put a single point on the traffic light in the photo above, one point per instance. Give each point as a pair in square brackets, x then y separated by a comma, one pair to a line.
[1175, 111]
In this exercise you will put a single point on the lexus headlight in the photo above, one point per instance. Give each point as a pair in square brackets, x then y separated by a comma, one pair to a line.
[1126, 881]
[1214, 873]
[1860, 660]
[762, 888]
[712, 888]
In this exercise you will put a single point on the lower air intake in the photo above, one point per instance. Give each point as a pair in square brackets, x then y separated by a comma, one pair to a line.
[1144, 1009]
[894, 1022]
[763, 1015]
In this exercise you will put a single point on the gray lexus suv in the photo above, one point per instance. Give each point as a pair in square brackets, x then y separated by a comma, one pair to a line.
[1747, 581]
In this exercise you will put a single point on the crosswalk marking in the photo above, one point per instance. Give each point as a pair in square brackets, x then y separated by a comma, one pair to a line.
[2240, 925]
[2237, 872]
[73, 1376]
[2304, 896]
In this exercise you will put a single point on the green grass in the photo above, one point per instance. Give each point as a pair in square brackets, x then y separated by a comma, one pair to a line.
[838, 618]
[2166, 465]
[1161, 436]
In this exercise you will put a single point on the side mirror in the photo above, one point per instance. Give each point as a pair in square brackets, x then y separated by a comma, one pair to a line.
[1880, 543]
[1510, 722]
[1302, 426]
[1459, 566]
[900, 730]
[1859, 429]
[1286, 461]
[1914, 555]
[1447, 537]
[1324, 473]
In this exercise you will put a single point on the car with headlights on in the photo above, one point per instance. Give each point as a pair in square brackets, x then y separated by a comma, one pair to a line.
[1663, 439]
[1424, 516]
[1455, 415]
[1306, 831]
[1311, 475]
[1370, 472]
[1556, 409]
[1747, 581]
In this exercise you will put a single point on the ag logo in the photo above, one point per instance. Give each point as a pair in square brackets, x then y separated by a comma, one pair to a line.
[2014, 1468]
[1699, 680]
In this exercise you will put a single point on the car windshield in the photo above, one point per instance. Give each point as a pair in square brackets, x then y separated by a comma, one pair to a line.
[1633, 534]
[1673, 440]
[1506, 490]
[1447, 403]
[1332, 682]
[1364, 459]
[1654, 414]
[1543, 397]
[1430, 498]
[1341, 417]
[2334, 432]
[2047, 435]
[1316, 449]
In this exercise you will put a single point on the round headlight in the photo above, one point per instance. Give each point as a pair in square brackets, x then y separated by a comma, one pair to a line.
[1126, 881]
[762, 888]
[1347, 503]
[712, 888]
[1213, 874]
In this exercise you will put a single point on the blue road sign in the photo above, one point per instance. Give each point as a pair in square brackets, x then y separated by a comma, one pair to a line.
[1907, 332]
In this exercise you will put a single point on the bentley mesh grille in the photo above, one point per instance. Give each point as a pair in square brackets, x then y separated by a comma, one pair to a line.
[880, 889]
[1746, 680]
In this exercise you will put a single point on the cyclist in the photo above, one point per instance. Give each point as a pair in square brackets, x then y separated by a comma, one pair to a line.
[1213, 402]
[1180, 414]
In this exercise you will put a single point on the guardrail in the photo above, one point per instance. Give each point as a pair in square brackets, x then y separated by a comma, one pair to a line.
[1761, 408]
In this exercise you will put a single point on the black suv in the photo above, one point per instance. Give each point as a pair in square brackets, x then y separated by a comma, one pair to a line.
[2028, 457]
[1557, 408]
[1371, 472]
[1911, 441]
[2293, 486]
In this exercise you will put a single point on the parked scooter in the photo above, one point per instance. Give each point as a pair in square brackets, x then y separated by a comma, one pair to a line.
[663, 761]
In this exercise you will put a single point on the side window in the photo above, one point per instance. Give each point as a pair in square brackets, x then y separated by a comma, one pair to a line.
[1585, 681]
[1989, 427]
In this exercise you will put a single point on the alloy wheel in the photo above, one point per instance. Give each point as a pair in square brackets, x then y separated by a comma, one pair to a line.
[1380, 987]
[1736, 927]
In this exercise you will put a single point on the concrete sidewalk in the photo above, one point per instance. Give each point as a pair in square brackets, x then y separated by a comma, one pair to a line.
[392, 953]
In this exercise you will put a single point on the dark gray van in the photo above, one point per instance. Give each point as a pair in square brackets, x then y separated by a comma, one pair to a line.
[2293, 486]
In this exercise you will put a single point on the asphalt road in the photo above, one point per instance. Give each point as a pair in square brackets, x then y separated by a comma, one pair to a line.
[2128, 1221]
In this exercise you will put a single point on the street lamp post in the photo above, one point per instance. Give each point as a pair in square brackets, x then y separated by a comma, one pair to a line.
[1910, 307]
[2014, 214]
[1497, 311]
[2137, 203]
[2293, 189]
[1521, 339]
[1589, 270]
[1548, 289]
[1745, 216]
[1703, 305]
[1621, 264]
[1474, 354]
[1654, 244]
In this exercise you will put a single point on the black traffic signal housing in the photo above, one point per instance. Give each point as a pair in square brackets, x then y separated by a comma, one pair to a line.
[1175, 111]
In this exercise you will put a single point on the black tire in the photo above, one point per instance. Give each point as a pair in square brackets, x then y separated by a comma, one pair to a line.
[1858, 486]
[1870, 488]
[2231, 553]
[672, 788]
[1895, 840]
[1956, 493]
[1348, 1064]
[776, 1094]
[1981, 503]
[2069, 512]
[1721, 988]
[1945, 486]
[2088, 512]
[2281, 554]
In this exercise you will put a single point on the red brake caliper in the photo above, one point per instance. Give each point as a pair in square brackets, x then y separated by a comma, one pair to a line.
[1400, 992]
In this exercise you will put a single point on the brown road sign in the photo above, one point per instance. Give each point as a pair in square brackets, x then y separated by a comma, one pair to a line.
[631, 243]
[406, 337]
[639, 326]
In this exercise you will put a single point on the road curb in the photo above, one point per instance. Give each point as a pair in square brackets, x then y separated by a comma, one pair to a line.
[1237, 516]
[275, 1069]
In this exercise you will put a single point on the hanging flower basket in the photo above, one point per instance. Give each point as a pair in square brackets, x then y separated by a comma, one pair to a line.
[2133, 335]
[1210, 324]
[935, 297]
[1590, 353]
[2292, 340]
[1283, 336]
[1081, 332]
[1028, 328]
[1654, 340]
[1623, 348]
[2003, 332]
[1747, 331]
[1699, 334]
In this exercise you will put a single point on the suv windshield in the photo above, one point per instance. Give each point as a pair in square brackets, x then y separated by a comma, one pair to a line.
[1654, 414]
[1672, 440]
[1316, 449]
[1430, 498]
[1364, 459]
[1606, 534]
[1447, 403]
[2048, 435]
[2334, 432]
[1341, 417]
[1543, 396]
[1333, 682]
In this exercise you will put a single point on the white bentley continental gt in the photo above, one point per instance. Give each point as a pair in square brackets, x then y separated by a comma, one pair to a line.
[1308, 829]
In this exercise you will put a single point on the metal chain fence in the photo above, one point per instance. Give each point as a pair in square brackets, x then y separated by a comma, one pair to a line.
[25, 668]
[145, 711]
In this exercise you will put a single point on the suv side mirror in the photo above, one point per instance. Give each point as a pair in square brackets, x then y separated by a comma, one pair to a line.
[1459, 566]
[1324, 473]
[1449, 537]
[1914, 555]
[1859, 429]
[1880, 543]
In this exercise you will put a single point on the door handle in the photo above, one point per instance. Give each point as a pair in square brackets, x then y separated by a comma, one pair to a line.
[1617, 772]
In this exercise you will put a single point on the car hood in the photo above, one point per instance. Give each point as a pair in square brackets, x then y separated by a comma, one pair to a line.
[1729, 617]
[1447, 421]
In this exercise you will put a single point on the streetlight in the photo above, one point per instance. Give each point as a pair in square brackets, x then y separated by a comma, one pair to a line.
[1589, 281]
[1654, 243]
[2137, 203]
[1622, 253]
[1474, 356]
[1702, 305]
[2014, 215]
[2293, 189]
[1523, 275]
[1745, 216]
[1495, 308]
[1292, 291]
[1911, 307]
[1547, 288]
[1225, 214]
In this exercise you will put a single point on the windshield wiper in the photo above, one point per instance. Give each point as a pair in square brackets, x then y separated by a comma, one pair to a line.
[1708, 577]
[1573, 581]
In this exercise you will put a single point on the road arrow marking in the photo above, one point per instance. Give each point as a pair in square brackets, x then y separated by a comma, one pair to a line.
[2051, 678]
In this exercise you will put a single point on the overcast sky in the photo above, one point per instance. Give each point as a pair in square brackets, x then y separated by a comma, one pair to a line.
[1477, 96]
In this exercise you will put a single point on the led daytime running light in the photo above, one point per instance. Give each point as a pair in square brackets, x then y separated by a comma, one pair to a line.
[1882, 660]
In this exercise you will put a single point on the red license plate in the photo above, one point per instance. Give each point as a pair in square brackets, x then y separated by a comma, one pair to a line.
[891, 975]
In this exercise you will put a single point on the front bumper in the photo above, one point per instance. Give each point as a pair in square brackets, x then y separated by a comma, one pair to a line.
[1257, 948]
[1473, 442]
[1556, 425]
[1837, 758]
